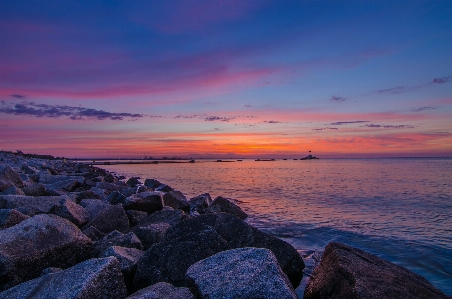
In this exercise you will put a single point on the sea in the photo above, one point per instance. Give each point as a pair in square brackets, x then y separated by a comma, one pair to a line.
[399, 209]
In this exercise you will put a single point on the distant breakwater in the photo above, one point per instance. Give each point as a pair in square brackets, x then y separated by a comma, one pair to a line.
[71, 230]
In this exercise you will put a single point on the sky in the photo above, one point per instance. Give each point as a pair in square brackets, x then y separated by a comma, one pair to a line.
[239, 79]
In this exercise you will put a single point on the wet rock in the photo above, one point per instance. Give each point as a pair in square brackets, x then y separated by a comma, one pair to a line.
[149, 202]
[93, 233]
[169, 260]
[152, 183]
[109, 219]
[94, 278]
[172, 217]
[141, 189]
[200, 203]
[35, 190]
[135, 216]
[71, 211]
[37, 243]
[176, 200]
[11, 217]
[347, 272]
[240, 273]
[151, 234]
[133, 182]
[116, 238]
[9, 174]
[13, 190]
[116, 197]
[164, 188]
[162, 290]
[29, 205]
[221, 204]
[94, 206]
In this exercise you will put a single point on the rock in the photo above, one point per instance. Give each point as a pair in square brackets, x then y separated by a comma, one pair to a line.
[4, 184]
[93, 233]
[37, 243]
[13, 190]
[100, 193]
[172, 217]
[50, 270]
[11, 217]
[128, 260]
[116, 238]
[29, 205]
[164, 188]
[71, 211]
[86, 195]
[176, 200]
[35, 190]
[9, 174]
[135, 216]
[240, 273]
[110, 186]
[200, 203]
[149, 202]
[90, 182]
[61, 182]
[116, 197]
[238, 233]
[109, 219]
[347, 272]
[151, 234]
[169, 260]
[221, 204]
[94, 206]
[162, 290]
[109, 178]
[152, 183]
[29, 170]
[133, 182]
[141, 189]
[94, 278]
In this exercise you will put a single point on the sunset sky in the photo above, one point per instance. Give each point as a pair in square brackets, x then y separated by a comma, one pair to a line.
[226, 79]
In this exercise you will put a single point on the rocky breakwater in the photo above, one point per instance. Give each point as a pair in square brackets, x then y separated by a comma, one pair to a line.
[69, 230]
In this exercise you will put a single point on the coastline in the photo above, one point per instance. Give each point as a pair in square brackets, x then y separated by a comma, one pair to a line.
[152, 212]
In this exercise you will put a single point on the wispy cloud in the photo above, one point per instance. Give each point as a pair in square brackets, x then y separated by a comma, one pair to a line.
[337, 99]
[402, 89]
[393, 90]
[55, 111]
[271, 121]
[390, 126]
[423, 109]
[247, 105]
[18, 96]
[340, 123]
[442, 80]
[218, 118]
[321, 129]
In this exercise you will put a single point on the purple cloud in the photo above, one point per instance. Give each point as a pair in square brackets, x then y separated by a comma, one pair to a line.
[321, 129]
[340, 123]
[441, 80]
[218, 118]
[338, 99]
[18, 96]
[55, 111]
[390, 126]
[393, 90]
[423, 108]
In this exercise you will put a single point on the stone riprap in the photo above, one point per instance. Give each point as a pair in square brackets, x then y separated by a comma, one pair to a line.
[71, 230]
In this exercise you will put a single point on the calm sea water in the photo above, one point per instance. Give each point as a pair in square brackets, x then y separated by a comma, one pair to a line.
[397, 209]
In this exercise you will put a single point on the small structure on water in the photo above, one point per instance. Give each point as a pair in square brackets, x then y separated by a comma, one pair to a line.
[309, 157]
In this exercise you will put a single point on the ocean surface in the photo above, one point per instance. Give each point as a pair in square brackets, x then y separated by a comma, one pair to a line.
[399, 209]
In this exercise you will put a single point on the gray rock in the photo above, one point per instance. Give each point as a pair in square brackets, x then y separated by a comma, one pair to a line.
[135, 216]
[50, 270]
[176, 200]
[11, 217]
[221, 204]
[141, 189]
[71, 211]
[13, 190]
[240, 273]
[94, 206]
[29, 205]
[35, 190]
[172, 217]
[37, 243]
[200, 203]
[116, 238]
[61, 182]
[169, 260]
[93, 233]
[149, 202]
[116, 197]
[110, 186]
[86, 195]
[347, 272]
[109, 219]
[152, 183]
[151, 234]
[164, 188]
[28, 169]
[100, 193]
[4, 184]
[162, 290]
[9, 174]
[133, 182]
[94, 278]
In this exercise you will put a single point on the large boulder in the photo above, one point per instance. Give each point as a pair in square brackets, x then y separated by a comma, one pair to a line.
[109, 219]
[151, 234]
[11, 217]
[29, 205]
[176, 200]
[94, 206]
[4, 184]
[94, 278]
[9, 174]
[172, 217]
[116, 197]
[37, 243]
[200, 204]
[133, 181]
[240, 273]
[13, 190]
[347, 272]
[221, 204]
[35, 190]
[162, 290]
[61, 182]
[149, 202]
[169, 260]
[116, 238]
[136, 216]
[152, 183]
[71, 211]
